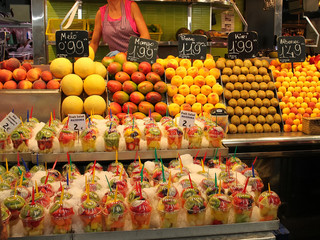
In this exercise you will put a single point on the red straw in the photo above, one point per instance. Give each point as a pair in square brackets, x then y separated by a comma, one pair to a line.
[117, 173]
[45, 182]
[190, 180]
[195, 158]
[32, 196]
[60, 186]
[204, 157]
[54, 114]
[50, 121]
[68, 156]
[254, 162]
[54, 165]
[94, 165]
[67, 125]
[180, 160]
[18, 159]
[31, 112]
[136, 156]
[140, 191]
[245, 186]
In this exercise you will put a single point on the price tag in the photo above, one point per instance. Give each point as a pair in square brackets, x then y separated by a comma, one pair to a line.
[142, 50]
[291, 49]
[10, 122]
[187, 119]
[2, 45]
[192, 46]
[77, 122]
[242, 45]
[72, 44]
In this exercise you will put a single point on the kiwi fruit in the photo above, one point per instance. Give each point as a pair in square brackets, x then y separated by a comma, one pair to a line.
[271, 86]
[250, 78]
[255, 86]
[261, 119]
[230, 111]
[264, 111]
[266, 78]
[242, 103]
[220, 64]
[277, 118]
[233, 78]
[238, 62]
[242, 78]
[227, 71]
[250, 128]
[263, 86]
[262, 71]
[235, 120]
[269, 119]
[266, 102]
[224, 79]
[253, 70]
[258, 78]
[265, 63]
[238, 111]
[272, 110]
[258, 102]
[230, 86]
[247, 86]
[232, 129]
[266, 128]
[236, 70]
[230, 63]
[250, 102]
[238, 86]
[253, 94]
[244, 119]
[242, 128]
[258, 63]
[236, 94]
[244, 94]
[275, 127]
[253, 119]
[247, 111]
[227, 94]
[247, 63]
[270, 94]
[258, 128]
[232, 103]
[261, 94]
[255, 111]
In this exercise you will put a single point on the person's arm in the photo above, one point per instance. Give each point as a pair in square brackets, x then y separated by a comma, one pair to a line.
[97, 32]
[138, 18]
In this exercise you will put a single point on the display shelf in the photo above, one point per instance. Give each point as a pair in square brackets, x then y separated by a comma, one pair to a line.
[251, 230]
[12, 157]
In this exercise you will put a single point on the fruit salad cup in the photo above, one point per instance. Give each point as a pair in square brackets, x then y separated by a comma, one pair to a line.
[215, 136]
[20, 139]
[18, 170]
[66, 196]
[163, 191]
[114, 215]
[46, 189]
[4, 145]
[165, 119]
[45, 140]
[122, 185]
[166, 126]
[92, 196]
[112, 125]
[185, 183]
[135, 194]
[89, 167]
[195, 207]
[247, 172]
[268, 203]
[220, 206]
[234, 189]
[140, 211]
[14, 204]
[61, 218]
[4, 186]
[212, 191]
[67, 140]
[24, 192]
[132, 166]
[91, 216]
[109, 196]
[179, 175]
[157, 176]
[174, 137]
[188, 192]
[137, 178]
[168, 208]
[32, 216]
[132, 138]
[242, 204]
[10, 177]
[42, 199]
[153, 138]
[88, 139]
[206, 182]
[115, 167]
[5, 217]
[114, 119]
[37, 168]
[239, 167]
[256, 186]
[111, 140]
[195, 135]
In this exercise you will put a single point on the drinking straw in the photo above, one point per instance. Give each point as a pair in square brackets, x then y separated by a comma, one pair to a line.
[121, 173]
[252, 171]
[202, 164]
[7, 168]
[204, 157]
[37, 190]
[269, 188]
[169, 182]
[128, 111]
[254, 161]
[190, 180]
[167, 113]
[61, 197]
[12, 110]
[110, 114]
[155, 155]
[140, 190]
[1, 180]
[54, 114]
[180, 163]
[15, 190]
[93, 174]
[117, 172]
[32, 203]
[116, 156]
[110, 127]
[54, 165]
[245, 186]
[21, 121]
[108, 183]
[50, 119]
[21, 179]
[215, 180]
[18, 159]
[31, 111]
[195, 158]
[25, 165]
[68, 178]
[235, 151]
[219, 187]
[135, 158]
[215, 154]
[132, 124]
[162, 169]
[27, 115]
[38, 159]
[140, 164]
[87, 188]
[141, 173]
[20, 172]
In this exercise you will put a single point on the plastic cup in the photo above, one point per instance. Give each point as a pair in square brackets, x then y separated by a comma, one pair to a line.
[92, 223]
[195, 207]
[195, 141]
[215, 140]
[220, 206]
[168, 208]
[14, 204]
[111, 141]
[21, 145]
[242, 205]
[140, 211]
[114, 219]
[5, 222]
[174, 141]
[153, 140]
[33, 227]
[62, 225]
[268, 204]
[45, 145]
[67, 140]
[88, 145]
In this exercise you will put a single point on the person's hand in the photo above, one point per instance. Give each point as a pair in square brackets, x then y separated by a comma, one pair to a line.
[112, 53]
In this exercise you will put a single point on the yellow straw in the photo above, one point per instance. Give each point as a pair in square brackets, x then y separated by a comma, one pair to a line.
[61, 197]
[175, 122]
[37, 190]
[202, 164]
[269, 187]
[140, 164]
[116, 193]
[51, 119]
[45, 165]
[93, 174]
[87, 200]
[219, 187]
[15, 190]
[86, 182]
[116, 156]
[21, 179]
[180, 165]
[1, 179]
[169, 182]
[121, 172]
[21, 121]
[7, 165]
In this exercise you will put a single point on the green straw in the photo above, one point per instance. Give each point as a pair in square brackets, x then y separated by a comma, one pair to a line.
[108, 183]
[132, 124]
[215, 180]
[141, 173]
[235, 151]
[155, 155]
[215, 154]
[164, 179]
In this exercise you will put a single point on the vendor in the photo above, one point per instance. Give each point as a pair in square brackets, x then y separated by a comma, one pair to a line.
[116, 22]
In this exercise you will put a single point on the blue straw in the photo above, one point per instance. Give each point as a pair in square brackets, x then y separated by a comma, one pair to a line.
[25, 165]
[68, 178]
[12, 110]
[28, 115]
[110, 114]
[38, 159]
[253, 171]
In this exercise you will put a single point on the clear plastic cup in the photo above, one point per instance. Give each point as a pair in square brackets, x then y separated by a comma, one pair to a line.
[32, 216]
[5, 214]
[242, 204]
[168, 208]
[215, 140]
[153, 138]
[61, 218]
[91, 216]
[114, 215]
[220, 206]
[21, 145]
[45, 145]
[111, 140]
[14, 204]
[195, 207]
[140, 211]
[174, 141]
[268, 204]
[132, 139]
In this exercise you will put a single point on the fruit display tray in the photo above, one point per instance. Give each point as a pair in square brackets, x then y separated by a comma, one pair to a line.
[256, 228]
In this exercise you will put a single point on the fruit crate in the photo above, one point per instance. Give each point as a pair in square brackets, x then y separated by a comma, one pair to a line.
[54, 25]
[155, 35]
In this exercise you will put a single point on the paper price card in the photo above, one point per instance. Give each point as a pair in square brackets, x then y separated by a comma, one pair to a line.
[187, 119]
[10, 122]
[77, 122]
[72, 44]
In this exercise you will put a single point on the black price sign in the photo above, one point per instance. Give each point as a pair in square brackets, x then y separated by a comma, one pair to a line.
[242, 45]
[192, 46]
[291, 49]
[142, 50]
[2, 45]
[72, 44]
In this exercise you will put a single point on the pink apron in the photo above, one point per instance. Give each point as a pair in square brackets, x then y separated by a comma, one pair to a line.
[117, 33]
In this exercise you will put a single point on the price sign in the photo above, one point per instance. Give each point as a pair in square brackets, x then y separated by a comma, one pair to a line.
[242, 45]
[187, 119]
[192, 46]
[291, 49]
[142, 50]
[77, 122]
[72, 44]
[2, 45]
[10, 122]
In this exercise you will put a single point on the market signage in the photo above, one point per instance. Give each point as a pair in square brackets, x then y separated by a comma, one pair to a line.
[10, 123]
[192, 46]
[142, 50]
[72, 44]
[77, 122]
[187, 119]
[291, 49]
[242, 45]
[2, 45]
